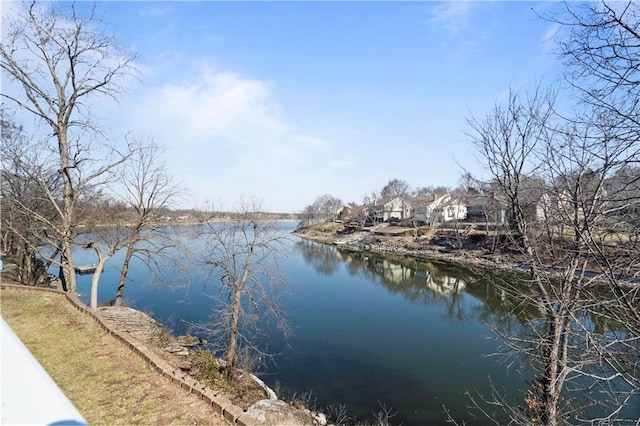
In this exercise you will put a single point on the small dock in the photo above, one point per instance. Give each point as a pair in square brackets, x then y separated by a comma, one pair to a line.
[86, 269]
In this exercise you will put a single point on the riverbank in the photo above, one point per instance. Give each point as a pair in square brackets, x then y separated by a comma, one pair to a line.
[108, 385]
[98, 374]
[449, 245]
[399, 241]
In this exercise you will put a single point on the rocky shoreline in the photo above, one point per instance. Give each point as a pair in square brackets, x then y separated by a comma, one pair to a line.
[176, 351]
[419, 248]
[395, 241]
[169, 356]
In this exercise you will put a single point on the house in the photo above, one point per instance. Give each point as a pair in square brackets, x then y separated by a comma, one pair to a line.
[351, 212]
[373, 213]
[397, 208]
[453, 209]
[427, 207]
[544, 207]
[345, 212]
[485, 207]
[439, 208]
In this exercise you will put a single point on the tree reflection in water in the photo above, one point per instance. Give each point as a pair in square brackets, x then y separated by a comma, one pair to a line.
[507, 302]
[324, 259]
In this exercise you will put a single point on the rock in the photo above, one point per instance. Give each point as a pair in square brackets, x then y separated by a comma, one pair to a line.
[270, 393]
[277, 412]
[320, 418]
[136, 323]
[189, 341]
[177, 349]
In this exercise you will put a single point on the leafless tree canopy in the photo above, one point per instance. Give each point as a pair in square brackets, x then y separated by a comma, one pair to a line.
[570, 190]
[325, 207]
[28, 216]
[147, 190]
[126, 216]
[394, 188]
[61, 57]
[55, 61]
[242, 256]
[600, 43]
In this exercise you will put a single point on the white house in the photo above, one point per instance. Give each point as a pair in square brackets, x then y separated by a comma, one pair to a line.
[442, 208]
[398, 208]
[453, 210]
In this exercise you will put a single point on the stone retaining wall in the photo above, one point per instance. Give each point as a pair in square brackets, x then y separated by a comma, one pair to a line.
[221, 405]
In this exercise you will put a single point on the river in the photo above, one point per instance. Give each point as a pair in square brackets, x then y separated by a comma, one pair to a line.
[368, 331]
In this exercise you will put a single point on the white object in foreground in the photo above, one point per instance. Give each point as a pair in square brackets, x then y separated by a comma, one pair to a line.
[29, 395]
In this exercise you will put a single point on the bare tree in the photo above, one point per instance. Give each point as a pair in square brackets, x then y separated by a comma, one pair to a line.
[369, 199]
[430, 190]
[507, 142]
[395, 188]
[599, 43]
[126, 218]
[243, 256]
[147, 190]
[328, 206]
[26, 210]
[60, 60]
[309, 215]
[554, 176]
[108, 235]
[324, 208]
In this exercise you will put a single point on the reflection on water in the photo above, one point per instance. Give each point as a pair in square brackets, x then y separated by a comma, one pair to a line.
[420, 325]
[396, 274]
[416, 282]
[412, 334]
[324, 259]
[464, 299]
[427, 282]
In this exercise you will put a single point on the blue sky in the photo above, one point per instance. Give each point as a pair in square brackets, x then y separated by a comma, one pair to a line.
[287, 101]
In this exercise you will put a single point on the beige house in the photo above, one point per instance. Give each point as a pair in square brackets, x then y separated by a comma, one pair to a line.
[397, 208]
[441, 208]
[453, 210]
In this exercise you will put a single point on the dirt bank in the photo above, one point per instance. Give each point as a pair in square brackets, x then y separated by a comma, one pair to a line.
[400, 241]
[450, 245]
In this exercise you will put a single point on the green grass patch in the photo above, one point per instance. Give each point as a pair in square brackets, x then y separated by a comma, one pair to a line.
[106, 382]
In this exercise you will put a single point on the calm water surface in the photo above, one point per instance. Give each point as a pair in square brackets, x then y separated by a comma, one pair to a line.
[367, 330]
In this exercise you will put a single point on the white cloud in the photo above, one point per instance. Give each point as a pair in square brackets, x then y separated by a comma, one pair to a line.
[227, 138]
[548, 38]
[205, 107]
[551, 32]
[452, 15]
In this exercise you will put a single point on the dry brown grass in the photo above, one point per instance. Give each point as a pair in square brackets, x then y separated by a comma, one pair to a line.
[329, 226]
[106, 382]
[243, 392]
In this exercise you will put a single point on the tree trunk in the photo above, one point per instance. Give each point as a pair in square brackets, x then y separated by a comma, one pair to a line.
[23, 264]
[95, 278]
[233, 334]
[123, 274]
[552, 390]
[456, 227]
[235, 313]
[68, 210]
[68, 268]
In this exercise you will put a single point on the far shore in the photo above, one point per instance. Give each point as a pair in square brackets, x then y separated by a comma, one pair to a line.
[388, 244]
[398, 241]
[173, 223]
